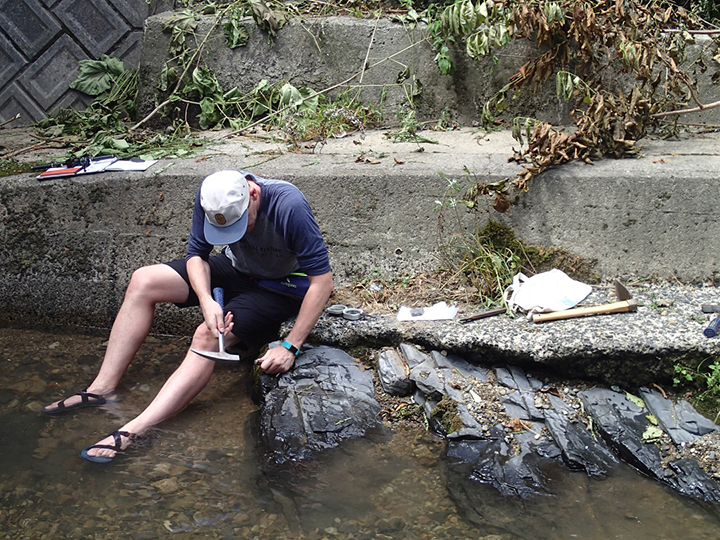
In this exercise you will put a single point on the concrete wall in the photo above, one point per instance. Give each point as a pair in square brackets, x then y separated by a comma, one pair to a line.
[42, 41]
[320, 53]
[70, 245]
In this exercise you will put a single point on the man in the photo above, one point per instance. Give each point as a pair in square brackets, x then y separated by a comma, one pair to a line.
[270, 232]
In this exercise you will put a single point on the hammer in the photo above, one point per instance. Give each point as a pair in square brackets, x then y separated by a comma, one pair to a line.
[221, 355]
[623, 306]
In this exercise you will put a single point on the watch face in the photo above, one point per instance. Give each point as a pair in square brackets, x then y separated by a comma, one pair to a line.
[290, 347]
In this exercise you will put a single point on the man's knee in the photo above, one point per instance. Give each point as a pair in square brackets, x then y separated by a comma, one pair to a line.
[141, 281]
[203, 338]
[157, 283]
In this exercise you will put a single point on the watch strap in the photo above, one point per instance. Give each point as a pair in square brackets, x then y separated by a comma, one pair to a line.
[290, 347]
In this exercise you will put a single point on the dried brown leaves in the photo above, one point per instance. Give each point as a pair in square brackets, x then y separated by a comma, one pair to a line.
[610, 46]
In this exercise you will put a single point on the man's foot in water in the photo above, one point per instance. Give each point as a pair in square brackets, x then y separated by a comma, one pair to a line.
[80, 400]
[105, 450]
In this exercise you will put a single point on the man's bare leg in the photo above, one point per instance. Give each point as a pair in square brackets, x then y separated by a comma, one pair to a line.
[183, 385]
[148, 286]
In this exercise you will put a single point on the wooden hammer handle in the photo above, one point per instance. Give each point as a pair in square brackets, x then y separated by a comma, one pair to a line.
[614, 307]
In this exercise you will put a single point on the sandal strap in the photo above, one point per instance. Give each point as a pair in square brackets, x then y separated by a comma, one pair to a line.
[117, 437]
[87, 396]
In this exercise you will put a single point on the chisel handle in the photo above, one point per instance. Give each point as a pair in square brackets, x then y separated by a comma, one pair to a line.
[712, 328]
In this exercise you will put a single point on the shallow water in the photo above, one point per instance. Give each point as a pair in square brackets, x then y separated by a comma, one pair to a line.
[201, 476]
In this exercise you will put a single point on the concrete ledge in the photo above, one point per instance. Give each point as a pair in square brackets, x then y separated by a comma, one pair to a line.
[628, 349]
[70, 245]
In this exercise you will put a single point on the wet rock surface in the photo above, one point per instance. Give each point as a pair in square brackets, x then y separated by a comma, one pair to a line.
[536, 424]
[626, 424]
[327, 398]
[503, 425]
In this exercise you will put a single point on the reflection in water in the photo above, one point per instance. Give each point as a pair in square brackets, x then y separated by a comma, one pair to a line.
[202, 475]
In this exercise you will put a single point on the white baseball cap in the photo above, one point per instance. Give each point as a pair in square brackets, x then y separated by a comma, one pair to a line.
[225, 197]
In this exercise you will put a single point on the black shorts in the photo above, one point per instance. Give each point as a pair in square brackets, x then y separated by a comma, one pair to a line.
[257, 312]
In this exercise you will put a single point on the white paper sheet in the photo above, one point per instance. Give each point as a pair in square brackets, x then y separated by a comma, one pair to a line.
[437, 312]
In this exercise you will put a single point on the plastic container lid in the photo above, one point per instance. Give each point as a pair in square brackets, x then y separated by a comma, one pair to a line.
[352, 314]
[336, 309]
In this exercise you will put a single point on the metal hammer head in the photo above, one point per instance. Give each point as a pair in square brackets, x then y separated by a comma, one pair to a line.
[219, 356]
[621, 291]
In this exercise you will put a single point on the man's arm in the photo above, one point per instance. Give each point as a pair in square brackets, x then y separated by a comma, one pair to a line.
[279, 359]
[198, 271]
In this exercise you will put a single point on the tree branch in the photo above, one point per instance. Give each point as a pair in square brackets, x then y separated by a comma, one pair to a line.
[699, 108]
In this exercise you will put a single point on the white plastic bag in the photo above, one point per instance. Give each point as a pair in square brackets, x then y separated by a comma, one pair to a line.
[547, 291]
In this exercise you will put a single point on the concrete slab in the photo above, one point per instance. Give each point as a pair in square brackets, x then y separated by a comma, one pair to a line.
[376, 202]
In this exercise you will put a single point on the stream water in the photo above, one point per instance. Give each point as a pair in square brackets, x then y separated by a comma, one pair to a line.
[201, 475]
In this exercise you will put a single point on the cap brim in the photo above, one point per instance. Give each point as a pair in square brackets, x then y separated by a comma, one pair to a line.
[221, 236]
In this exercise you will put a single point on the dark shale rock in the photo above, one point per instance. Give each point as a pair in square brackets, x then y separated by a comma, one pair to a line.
[326, 399]
[679, 420]
[520, 403]
[580, 450]
[394, 373]
[452, 363]
[544, 428]
[511, 433]
[427, 379]
[413, 356]
[623, 423]
[495, 464]
[689, 479]
[426, 403]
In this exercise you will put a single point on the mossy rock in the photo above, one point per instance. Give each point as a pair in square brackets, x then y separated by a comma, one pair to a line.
[10, 167]
[447, 416]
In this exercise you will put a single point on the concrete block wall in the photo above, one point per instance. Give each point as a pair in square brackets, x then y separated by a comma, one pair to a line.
[42, 41]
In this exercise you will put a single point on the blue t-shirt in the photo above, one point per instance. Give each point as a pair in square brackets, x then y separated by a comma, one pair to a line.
[286, 238]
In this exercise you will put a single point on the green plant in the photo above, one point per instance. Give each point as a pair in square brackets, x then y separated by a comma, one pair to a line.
[326, 118]
[409, 127]
[114, 89]
[10, 167]
[447, 416]
[476, 254]
[408, 410]
[705, 381]
[102, 128]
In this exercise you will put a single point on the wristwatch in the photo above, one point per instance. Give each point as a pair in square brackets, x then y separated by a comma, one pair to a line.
[290, 347]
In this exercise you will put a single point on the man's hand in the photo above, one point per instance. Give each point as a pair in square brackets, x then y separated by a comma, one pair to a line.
[213, 314]
[276, 360]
